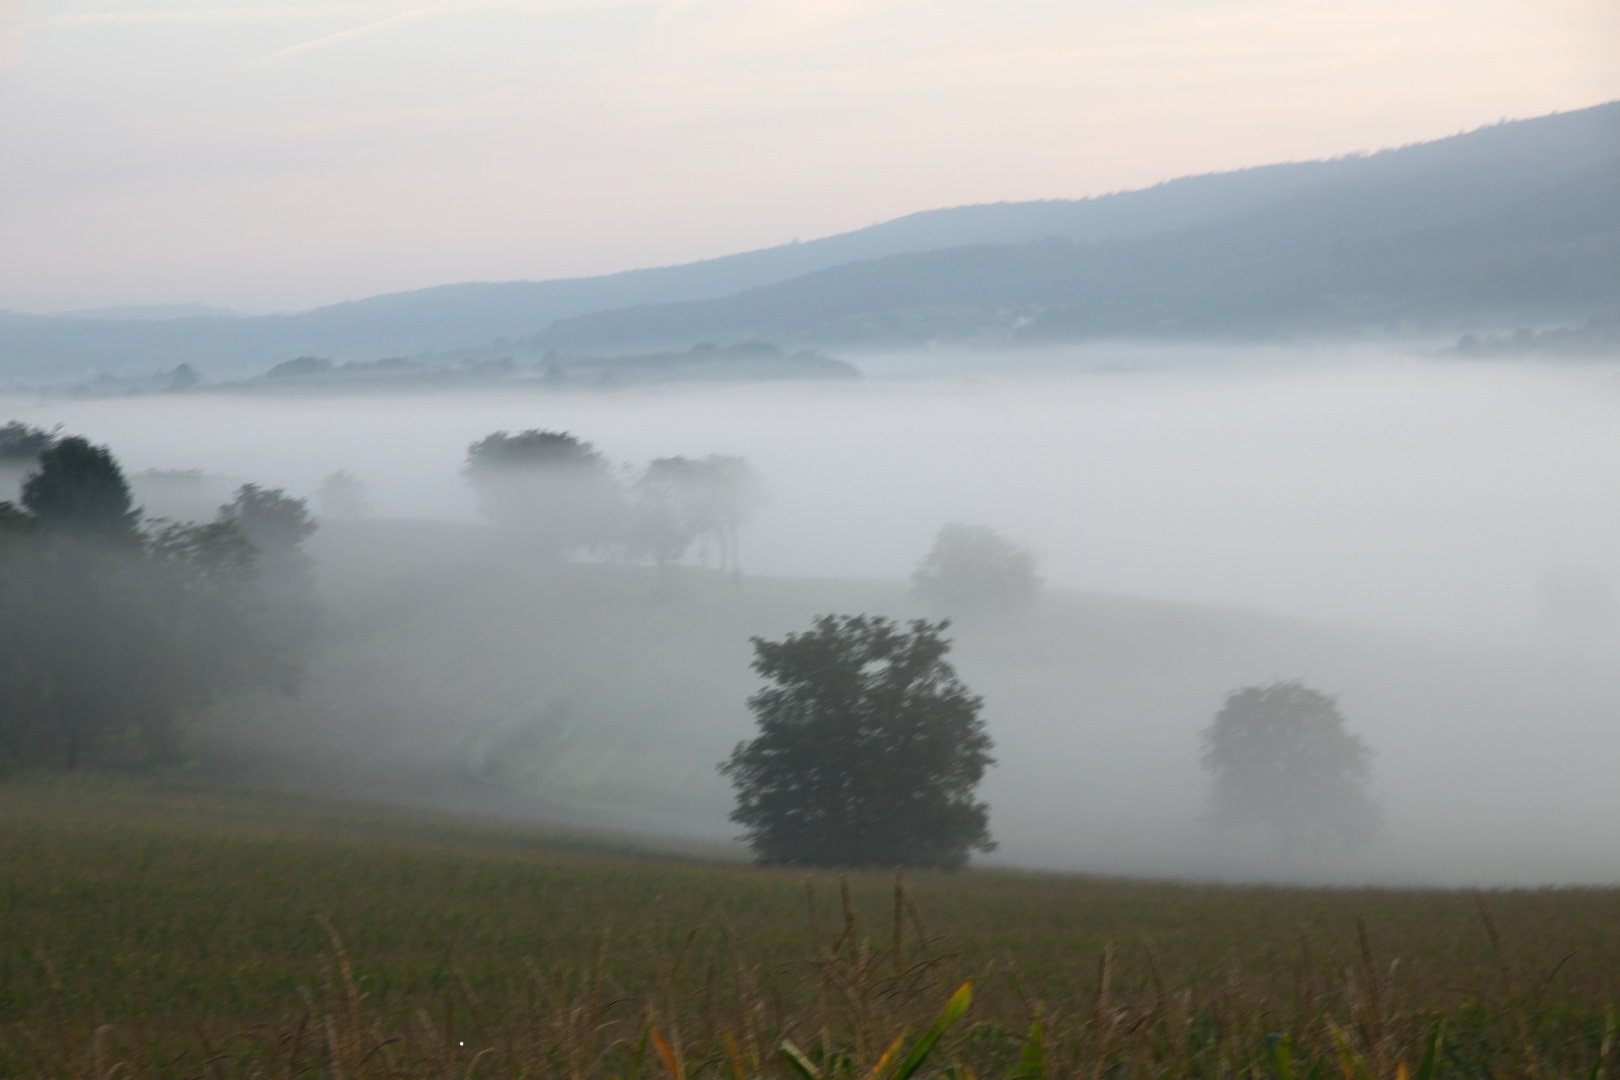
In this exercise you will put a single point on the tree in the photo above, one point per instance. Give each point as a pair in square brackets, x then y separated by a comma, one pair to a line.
[680, 501]
[275, 525]
[80, 491]
[112, 635]
[20, 444]
[341, 496]
[1281, 759]
[548, 486]
[973, 568]
[869, 750]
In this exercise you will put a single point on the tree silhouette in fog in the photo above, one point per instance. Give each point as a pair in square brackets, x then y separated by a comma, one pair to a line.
[21, 444]
[79, 490]
[110, 634]
[342, 496]
[276, 525]
[679, 502]
[973, 568]
[556, 491]
[869, 749]
[1280, 759]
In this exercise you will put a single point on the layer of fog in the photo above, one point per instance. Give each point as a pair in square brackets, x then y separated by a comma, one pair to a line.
[1426, 495]
[1446, 535]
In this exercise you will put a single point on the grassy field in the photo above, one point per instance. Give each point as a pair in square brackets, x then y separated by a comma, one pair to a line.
[151, 929]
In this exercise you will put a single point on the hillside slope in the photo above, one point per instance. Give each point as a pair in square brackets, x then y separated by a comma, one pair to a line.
[1316, 264]
[457, 674]
[1400, 191]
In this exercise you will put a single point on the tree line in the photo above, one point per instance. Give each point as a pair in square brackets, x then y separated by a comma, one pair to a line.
[563, 496]
[114, 629]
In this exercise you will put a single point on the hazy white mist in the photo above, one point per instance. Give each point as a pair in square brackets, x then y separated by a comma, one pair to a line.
[1436, 541]
[1352, 487]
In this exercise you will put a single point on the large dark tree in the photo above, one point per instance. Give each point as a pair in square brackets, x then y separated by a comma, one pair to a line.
[1281, 760]
[554, 490]
[79, 490]
[869, 749]
[110, 636]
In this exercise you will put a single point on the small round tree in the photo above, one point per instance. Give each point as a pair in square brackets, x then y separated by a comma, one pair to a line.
[869, 750]
[556, 490]
[973, 568]
[1281, 759]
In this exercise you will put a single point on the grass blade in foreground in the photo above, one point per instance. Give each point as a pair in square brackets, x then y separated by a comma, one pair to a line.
[952, 1012]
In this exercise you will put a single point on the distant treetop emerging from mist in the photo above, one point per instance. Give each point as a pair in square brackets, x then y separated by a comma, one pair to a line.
[549, 487]
[973, 568]
[1280, 759]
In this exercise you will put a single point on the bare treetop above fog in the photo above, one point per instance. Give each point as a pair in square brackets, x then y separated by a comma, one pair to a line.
[973, 568]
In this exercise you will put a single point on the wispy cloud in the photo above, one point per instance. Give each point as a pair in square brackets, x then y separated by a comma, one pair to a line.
[380, 26]
[217, 15]
[293, 12]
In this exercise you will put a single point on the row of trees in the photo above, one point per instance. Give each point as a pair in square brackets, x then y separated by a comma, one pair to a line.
[562, 495]
[113, 630]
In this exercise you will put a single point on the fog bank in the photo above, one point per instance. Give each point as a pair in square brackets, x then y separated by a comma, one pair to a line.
[1435, 541]
[1426, 495]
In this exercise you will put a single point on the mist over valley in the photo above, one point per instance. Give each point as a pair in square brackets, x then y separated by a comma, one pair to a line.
[1415, 535]
[713, 540]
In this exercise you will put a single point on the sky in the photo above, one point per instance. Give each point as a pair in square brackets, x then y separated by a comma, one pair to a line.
[276, 154]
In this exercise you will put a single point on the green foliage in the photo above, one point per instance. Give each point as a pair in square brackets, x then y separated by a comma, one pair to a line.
[212, 609]
[1281, 759]
[869, 750]
[273, 522]
[20, 443]
[274, 525]
[110, 637]
[555, 491]
[973, 568]
[87, 654]
[79, 490]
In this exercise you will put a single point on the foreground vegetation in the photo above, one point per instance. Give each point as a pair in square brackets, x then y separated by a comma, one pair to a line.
[147, 929]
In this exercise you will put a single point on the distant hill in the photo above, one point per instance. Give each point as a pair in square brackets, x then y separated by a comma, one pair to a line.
[1316, 263]
[1599, 336]
[1233, 251]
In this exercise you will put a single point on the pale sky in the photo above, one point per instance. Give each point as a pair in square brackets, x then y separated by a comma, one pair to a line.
[275, 154]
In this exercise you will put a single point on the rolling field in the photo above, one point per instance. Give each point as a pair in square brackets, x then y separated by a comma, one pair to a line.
[148, 928]
[457, 673]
